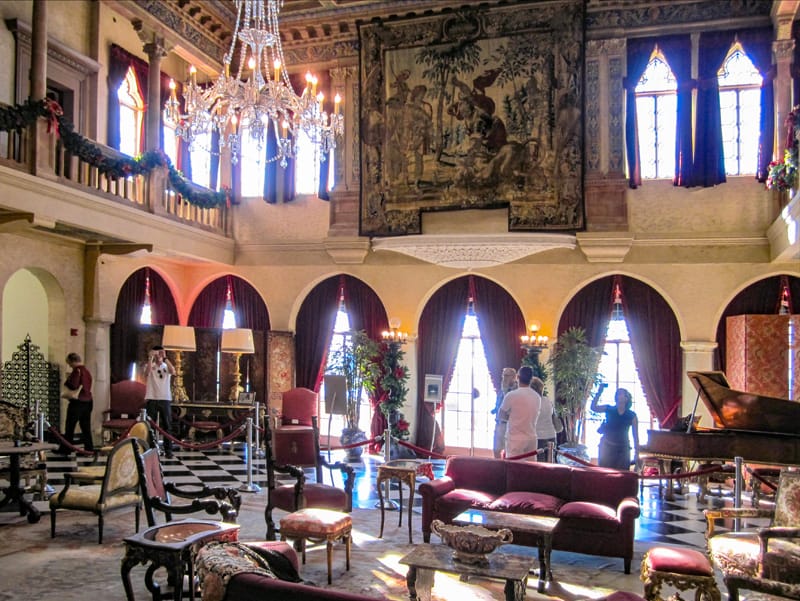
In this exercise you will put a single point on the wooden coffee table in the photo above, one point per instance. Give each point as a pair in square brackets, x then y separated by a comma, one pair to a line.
[425, 560]
[539, 526]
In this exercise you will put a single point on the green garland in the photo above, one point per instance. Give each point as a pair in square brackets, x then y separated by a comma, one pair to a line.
[23, 115]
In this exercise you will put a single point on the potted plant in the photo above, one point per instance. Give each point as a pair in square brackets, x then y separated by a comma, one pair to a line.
[388, 389]
[354, 361]
[573, 366]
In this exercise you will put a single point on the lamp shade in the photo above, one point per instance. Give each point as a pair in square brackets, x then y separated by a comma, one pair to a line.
[237, 340]
[178, 338]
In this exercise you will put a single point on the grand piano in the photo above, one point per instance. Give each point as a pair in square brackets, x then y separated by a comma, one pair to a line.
[758, 428]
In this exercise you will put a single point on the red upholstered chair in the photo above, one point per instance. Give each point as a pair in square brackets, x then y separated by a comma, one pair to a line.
[126, 402]
[299, 406]
[289, 450]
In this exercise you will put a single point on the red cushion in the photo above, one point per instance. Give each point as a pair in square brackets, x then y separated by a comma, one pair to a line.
[324, 496]
[582, 515]
[548, 478]
[299, 405]
[680, 561]
[282, 497]
[527, 502]
[604, 486]
[119, 423]
[478, 473]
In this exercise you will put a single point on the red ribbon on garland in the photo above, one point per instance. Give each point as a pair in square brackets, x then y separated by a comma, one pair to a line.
[54, 111]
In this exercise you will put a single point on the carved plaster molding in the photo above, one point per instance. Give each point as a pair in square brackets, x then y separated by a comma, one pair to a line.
[698, 346]
[783, 49]
[474, 250]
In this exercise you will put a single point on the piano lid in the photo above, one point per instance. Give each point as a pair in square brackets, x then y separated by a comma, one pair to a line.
[738, 410]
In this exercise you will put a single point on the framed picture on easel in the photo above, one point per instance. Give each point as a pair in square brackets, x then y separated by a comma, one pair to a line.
[433, 389]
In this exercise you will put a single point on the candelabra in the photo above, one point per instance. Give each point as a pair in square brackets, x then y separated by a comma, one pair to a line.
[534, 343]
[394, 334]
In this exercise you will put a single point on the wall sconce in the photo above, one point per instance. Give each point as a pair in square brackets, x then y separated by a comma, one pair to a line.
[534, 343]
[393, 334]
[178, 339]
[237, 341]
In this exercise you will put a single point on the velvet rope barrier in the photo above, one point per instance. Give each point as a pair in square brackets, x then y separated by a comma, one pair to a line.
[524, 455]
[773, 487]
[77, 450]
[353, 445]
[678, 476]
[196, 446]
[420, 450]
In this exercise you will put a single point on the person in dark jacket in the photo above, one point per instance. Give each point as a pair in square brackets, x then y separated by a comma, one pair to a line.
[79, 410]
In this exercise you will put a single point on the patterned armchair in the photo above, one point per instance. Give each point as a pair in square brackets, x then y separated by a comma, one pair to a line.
[766, 560]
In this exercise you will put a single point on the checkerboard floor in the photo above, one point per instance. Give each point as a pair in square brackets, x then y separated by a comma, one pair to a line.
[677, 522]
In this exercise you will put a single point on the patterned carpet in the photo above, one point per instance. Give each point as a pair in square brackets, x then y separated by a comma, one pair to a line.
[74, 566]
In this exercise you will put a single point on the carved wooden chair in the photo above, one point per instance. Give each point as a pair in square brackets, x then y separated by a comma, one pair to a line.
[33, 467]
[289, 451]
[767, 559]
[125, 404]
[157, 493]
[119, 488]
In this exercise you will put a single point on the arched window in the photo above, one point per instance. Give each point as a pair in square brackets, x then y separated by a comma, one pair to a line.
[252, 162]
[131, 114]
[740, 110]
[656, 113]
[170, 140]
[467, 421]
[308, 165]
[200, 153]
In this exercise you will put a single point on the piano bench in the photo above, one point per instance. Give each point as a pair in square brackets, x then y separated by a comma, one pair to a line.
[680, 568]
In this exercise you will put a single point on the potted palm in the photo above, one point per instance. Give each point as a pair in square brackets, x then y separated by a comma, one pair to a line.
[573, 365]
[354, 361]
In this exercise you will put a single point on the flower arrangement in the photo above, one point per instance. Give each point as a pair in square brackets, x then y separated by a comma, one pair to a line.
[782, 175]
[389, 386]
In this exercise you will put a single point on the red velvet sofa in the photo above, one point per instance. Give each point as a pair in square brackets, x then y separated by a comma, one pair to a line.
[597, 507]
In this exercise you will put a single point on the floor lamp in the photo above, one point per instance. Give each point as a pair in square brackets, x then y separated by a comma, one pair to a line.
[178, 339]
[237, 341]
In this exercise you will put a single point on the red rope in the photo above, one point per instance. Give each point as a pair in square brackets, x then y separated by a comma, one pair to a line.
[678, 476]
[773, 487]
[53, 430]
[196, 446]
[421, 451]
[524, 455]
[353, 445]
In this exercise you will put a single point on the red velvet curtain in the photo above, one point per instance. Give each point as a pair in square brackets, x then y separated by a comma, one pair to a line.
[438, 336]
[249, 308]
[760, 298]
[590, 309]
[501, 323]
[209, 306]
[656, 345]
[125, 329]
[314, 331]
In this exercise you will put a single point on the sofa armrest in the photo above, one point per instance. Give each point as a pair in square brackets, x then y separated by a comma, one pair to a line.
[628, 509]
[437, 488]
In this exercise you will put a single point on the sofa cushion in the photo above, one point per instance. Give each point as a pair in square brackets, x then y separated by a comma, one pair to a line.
[548, 478]
[604, 486]
[527, 502]
[582, 515]
[461, 499]
[482, 474]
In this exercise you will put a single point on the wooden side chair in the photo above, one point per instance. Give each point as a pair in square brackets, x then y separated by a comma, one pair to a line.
[288, 451]
[119, 488]
[157, 493]
[766, 560]
[125, 404]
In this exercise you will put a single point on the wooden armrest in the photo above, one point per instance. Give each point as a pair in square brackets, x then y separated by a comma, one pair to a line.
[778, 532]
[221, 493]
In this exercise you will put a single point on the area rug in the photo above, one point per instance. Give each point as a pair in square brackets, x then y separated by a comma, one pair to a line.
[73, 566]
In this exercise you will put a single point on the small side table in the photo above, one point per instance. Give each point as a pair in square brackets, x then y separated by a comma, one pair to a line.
[170, 546]
[15, 492]
[405, 471]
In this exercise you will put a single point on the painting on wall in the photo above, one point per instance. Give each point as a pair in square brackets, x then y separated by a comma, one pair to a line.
[475, 108]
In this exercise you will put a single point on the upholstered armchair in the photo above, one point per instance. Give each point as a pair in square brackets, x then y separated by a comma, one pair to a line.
[764, 559]
[119, 488]
[157, 494]
[288, 451]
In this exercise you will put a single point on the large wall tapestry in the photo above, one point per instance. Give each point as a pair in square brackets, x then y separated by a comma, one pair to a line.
[477, 108]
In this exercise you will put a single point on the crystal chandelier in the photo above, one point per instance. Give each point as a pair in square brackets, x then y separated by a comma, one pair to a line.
[265, 99]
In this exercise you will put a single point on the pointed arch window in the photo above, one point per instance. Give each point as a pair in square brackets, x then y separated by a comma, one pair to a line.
[146, 316]
[131, 114]
[656, 111]
[740, 110]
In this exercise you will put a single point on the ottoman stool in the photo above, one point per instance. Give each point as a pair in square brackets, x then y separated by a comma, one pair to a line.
[680, 568]
[317, 525]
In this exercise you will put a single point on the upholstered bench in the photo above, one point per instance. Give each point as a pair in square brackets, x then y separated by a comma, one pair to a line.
[318, 525]
[680, 568]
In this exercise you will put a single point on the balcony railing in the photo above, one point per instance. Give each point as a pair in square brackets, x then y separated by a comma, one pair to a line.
[35, 150]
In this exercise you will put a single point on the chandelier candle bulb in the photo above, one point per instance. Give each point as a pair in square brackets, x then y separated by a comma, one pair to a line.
[336, 101]
[193, 75]
[277, 66]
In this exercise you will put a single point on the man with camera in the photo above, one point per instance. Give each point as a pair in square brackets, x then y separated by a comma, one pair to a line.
[159, 371]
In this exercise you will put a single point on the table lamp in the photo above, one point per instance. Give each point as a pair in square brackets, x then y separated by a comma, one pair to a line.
[237, 341]
[178, 339]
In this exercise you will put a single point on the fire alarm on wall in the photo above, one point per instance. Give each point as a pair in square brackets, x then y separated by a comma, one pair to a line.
[73, 331]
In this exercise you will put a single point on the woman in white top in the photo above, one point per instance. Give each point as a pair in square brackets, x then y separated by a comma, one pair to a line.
[545, 432]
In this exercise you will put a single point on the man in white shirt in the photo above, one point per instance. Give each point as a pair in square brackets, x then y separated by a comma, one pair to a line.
[520, 409]
[159, 371]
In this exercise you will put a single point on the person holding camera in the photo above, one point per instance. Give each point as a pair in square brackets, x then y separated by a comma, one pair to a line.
[159, 371]
[615, 450]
